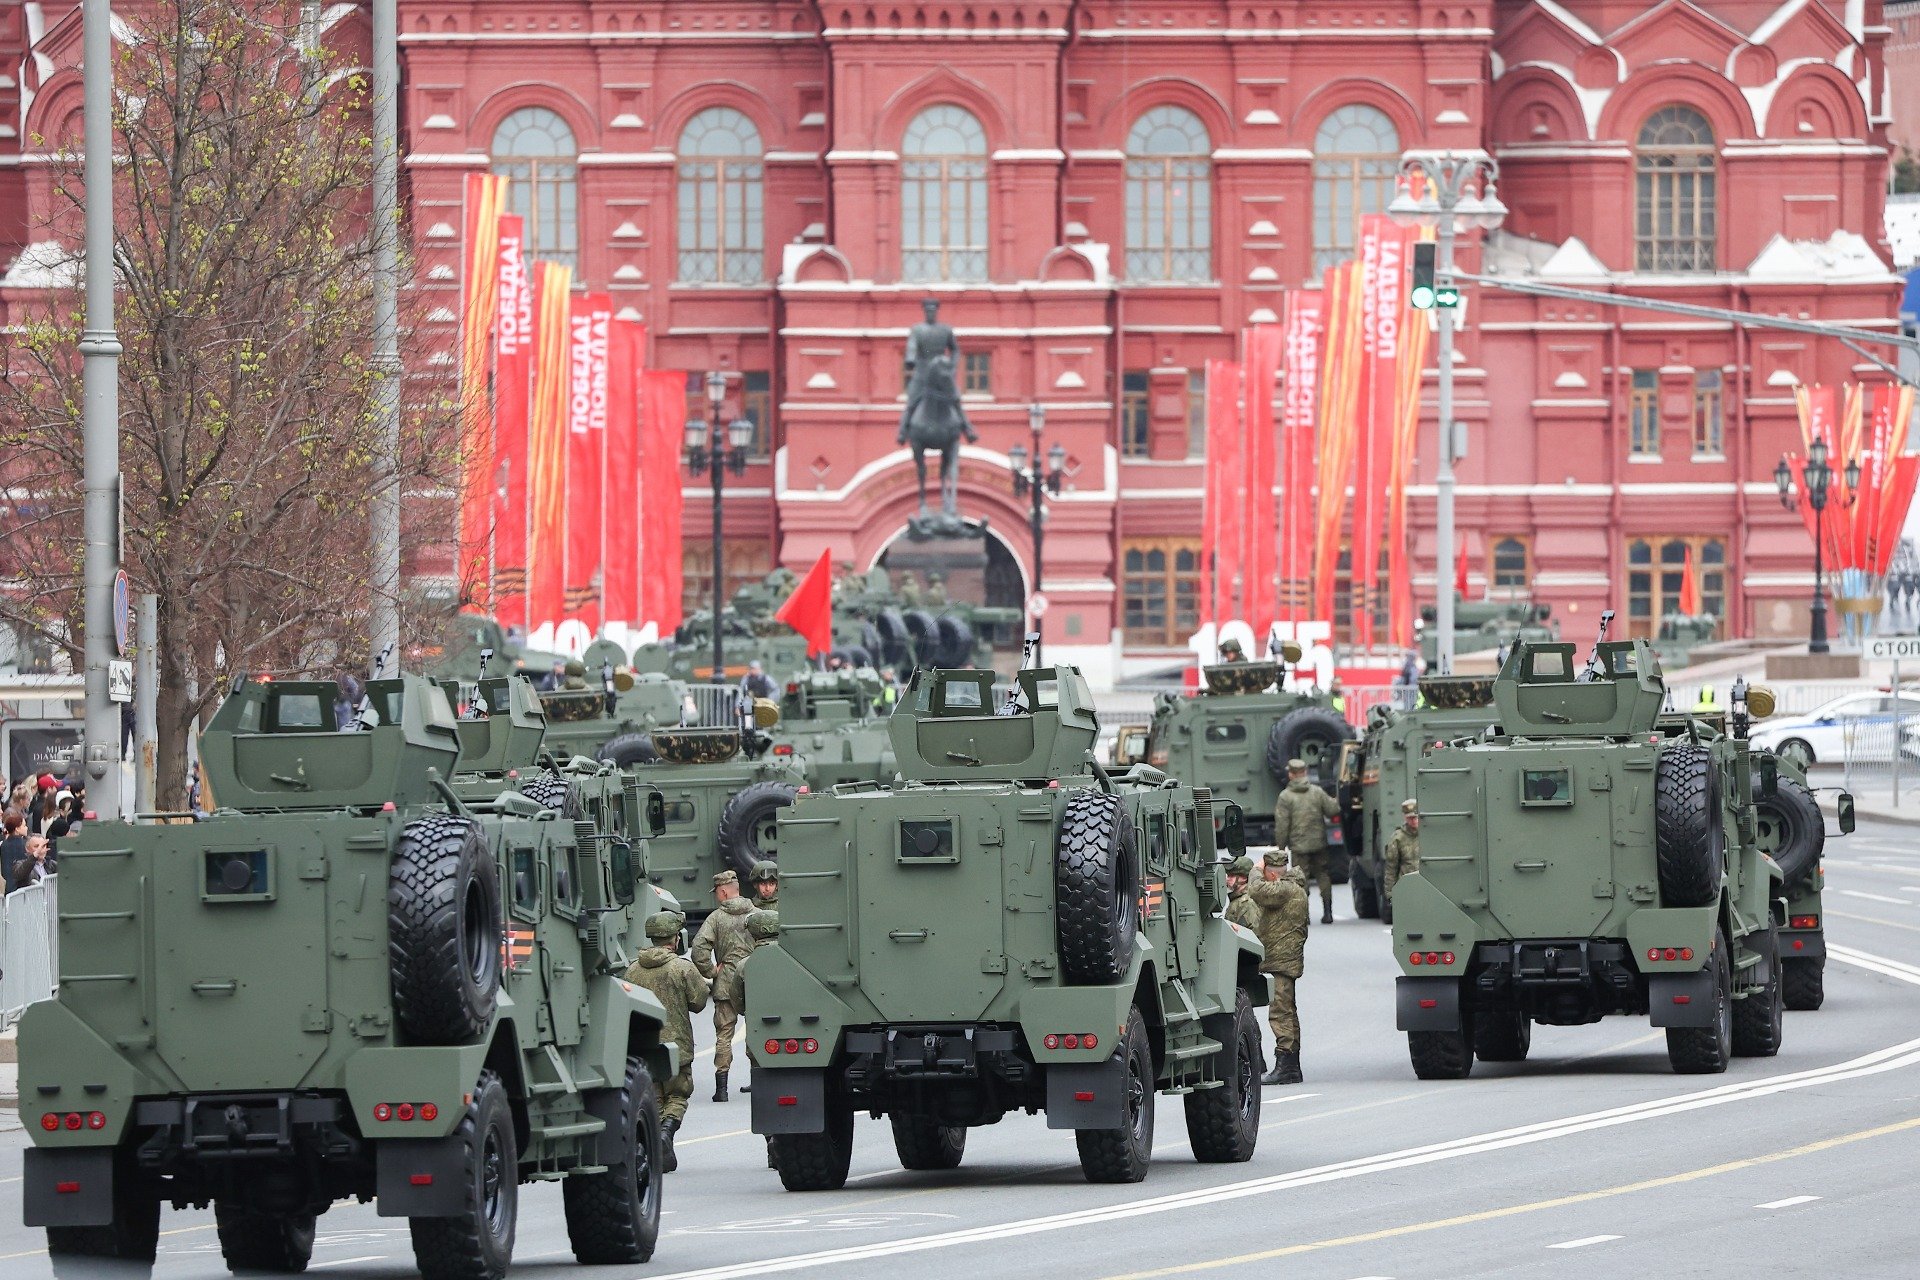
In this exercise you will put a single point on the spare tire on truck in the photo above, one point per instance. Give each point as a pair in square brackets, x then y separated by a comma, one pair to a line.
[746, 822]
[1793, 831]
[1312, 734]
[956, 641]
[892, 629]
[628, 749]
[1689, 842]
[443, 931]
[553, 791]
[1097, 889]
[925, 634]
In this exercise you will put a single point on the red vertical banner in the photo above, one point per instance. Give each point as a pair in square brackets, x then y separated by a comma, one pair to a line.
[1338, 425]
[1263, 346]
[663, 416]
[590, 318]
[1226, 451]
[479, 299]
[1301, 362]
[547, 446]
[1413, 338]
[626, 350]
[512, 367]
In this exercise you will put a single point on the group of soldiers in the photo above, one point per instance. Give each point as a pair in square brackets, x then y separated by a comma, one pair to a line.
[1269, 898]
[684, 986]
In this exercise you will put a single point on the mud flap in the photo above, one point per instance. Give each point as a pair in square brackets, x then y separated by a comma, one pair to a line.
[1427, 1004]
[421, 1177]
[1087, 1096]
[1681, 999]
[70, 1187]
[789, 1101]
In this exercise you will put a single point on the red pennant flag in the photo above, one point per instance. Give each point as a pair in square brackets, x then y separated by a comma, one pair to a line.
[622, 551]
[663, 395]
[592, 319]
[1460, 572]
[1263, 347]
[1689, 587]
[513, 378]
[809, 610]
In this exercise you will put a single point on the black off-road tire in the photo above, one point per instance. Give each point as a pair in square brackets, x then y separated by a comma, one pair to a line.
[1803, 982]
[956, 640]
[816, 1161]
[870, 640]
[745, 819]
[443, 931]
[1792, 828]
[628, 750]
[1442, 1055]
[1689, 844]
[478, 1243]
[1124, 1154]
[1704, 1051]
[1502, 1036]
[1312, 734]
[924, 631]
[1097, 889]
[554, 792]
[613, 1217]
[254, 1241]
[1366, 892]
[1759, 1016]
[894, 638]
[132, 1236]
[924, 1143]
[1223, 1125]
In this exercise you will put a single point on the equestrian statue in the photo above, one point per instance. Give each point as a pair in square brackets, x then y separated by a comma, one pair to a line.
[934, 419]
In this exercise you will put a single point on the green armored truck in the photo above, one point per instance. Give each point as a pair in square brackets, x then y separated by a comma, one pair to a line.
[1791, 829]
[723, 788]
[1008, 928]
[1588, 859]
[836, 722]
[350, 981]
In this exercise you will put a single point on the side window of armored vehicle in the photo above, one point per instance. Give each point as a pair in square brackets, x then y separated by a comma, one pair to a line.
[298, 713]
[1546, 788]
[249, 717]
[1190, 842]
[499, 700]
[679, 811]
[1156, 835]
[1548, 664]
[961, 695]
[927, 840]
[526, 882]
[1046, 693]
[566, 880]
[1222, 734]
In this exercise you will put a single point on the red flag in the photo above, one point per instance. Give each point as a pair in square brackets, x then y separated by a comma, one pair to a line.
[1460, 572]
[547, 447]
[479, 299]
[1303, 330]
[1263, 347]
[1689, 601]
[1226, 440]
[809, 610]
[1339, 424]
[512, 384]
[625, 352]
[591, 320]
[664, 415]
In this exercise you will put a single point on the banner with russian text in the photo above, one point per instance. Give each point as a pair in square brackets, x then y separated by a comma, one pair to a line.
[1414, 337]
[663, 417]
[512, 368]
[626, 352]
[547, 445]
[591, 317]
[486, 195]
[1339, 421]
[1223, 540]
[1303, 325]
[1262, 346]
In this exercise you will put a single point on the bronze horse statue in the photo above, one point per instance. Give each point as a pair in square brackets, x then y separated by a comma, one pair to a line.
[935, 420]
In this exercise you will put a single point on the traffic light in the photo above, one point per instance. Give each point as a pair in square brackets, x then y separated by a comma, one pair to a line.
[1424, 296]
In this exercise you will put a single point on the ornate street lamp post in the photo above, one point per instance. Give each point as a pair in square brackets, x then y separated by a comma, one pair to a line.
[716, 448]
[1456, 194]
[1045, 478]
[1816, 479]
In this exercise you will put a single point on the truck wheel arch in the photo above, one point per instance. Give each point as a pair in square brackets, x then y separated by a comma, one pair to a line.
[503, 1059]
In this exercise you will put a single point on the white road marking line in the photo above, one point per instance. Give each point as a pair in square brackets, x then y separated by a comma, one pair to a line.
[1878, 964]
[346, 1262]
[1875, 897]
[21, 1178]
[1788, 1203]
[1583, 1242]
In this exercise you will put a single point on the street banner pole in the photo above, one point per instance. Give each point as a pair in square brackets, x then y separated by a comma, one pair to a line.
[384, 608]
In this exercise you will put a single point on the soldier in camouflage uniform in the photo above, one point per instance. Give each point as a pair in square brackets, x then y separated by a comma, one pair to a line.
[1402, 856]
[1240, 908]
[682, 992]
[1280, 892]
[717, 952]
[1300, 824]
[764, 882]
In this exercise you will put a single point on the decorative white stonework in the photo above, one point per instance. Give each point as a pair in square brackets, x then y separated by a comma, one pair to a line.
[441, 231]
[1262, 275]
[629, 272]
[439, 122]
[1263, 115]
[1263, 315]
[1571, 380]
[822, 381]
[1069, 381]
[627, 120]
[627, 231]
[1263, 228]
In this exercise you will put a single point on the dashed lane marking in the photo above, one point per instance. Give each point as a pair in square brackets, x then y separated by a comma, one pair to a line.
[1788, 1203]
[1583, 1242]
[679, 1142]
[1875, 897]
[1891, 924]
[346, 1262]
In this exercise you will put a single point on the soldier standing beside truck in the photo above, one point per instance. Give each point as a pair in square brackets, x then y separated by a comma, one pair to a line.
[722, 944]
[682, 992]
[1280, 894]
[1402, 856]
[1300, 824]
[1240, 908]
[765, 879]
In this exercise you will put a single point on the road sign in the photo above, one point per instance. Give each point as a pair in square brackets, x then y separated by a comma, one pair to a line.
[122, 614]
[119, 681]
[1893, 648]
[1037, 605]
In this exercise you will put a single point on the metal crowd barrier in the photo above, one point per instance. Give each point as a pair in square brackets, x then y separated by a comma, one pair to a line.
[29, 947]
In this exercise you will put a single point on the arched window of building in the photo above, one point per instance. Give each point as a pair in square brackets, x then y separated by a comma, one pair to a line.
[1656, 570]
[1676, 214]
[535, 149]
[1356, 158]
[943, 197]
[1169, 197]
[721, 214]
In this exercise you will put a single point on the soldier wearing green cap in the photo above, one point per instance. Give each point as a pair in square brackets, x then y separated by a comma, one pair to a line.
[722, 944]
[1240, 907]
[682, 992]
[1402, 856]
[1300, 824]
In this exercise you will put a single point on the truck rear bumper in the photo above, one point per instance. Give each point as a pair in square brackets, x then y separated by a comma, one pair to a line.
[1427, 1004]
[790, 1100]
[1565, 982]
[1802, 944]
[1681, 999]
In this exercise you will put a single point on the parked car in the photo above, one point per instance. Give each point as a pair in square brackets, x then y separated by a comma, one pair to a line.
[1820, 736]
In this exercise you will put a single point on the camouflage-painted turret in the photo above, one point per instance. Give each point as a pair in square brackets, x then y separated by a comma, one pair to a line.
[1483, 626]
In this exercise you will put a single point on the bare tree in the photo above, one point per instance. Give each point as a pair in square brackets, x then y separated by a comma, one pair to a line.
[245, 261]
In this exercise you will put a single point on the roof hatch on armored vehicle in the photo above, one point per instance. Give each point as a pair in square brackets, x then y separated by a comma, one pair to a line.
[947, 727]
[1541, 690]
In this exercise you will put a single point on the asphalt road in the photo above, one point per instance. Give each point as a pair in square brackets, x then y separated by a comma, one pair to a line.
[1591, 1159]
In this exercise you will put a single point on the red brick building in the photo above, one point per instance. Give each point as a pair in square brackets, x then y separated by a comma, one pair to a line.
[1103, 193]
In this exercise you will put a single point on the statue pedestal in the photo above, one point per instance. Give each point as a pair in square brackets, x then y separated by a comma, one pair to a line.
[961, 562]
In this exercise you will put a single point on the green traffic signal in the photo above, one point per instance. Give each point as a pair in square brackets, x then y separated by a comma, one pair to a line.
[1446, 295]
[1423, 296]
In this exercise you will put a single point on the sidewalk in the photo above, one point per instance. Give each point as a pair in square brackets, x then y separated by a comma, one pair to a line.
[1872, 799]
[9, 1071]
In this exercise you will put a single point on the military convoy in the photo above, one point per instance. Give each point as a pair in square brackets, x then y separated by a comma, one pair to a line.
[1008, 928]
[382, 969]
[1487, 627]
[1586, 857]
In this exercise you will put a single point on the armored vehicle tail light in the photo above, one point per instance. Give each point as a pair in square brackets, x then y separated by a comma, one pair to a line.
[1072, 1041]
[75, 1120]
[791, 1046]
[387, 807]
[809, 1046]
[783, 749]
[1429, 1003]
[96, 1120]
[1431, 957]
[788, 1100]
[1670, 953]
[429, 1112]
[382, 1112]
[1804, 922]
[1083, 1095]
[771, 1046]
[403, 1112]
[421, 1180]
[66, 1188]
